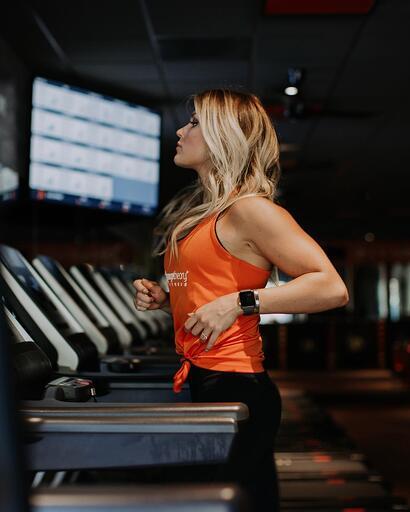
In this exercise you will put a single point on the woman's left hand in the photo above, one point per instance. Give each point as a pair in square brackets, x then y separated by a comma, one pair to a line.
[213, 318]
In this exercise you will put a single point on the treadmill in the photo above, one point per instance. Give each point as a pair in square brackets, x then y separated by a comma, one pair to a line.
[216, 498]
[69, 355]
[21, 276]
[100, 290]
[92, 320]
[65, 434]
[122, 319]
[324, 479]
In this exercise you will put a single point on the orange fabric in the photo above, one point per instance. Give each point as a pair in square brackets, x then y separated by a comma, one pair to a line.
[181, 376]
[205, 270]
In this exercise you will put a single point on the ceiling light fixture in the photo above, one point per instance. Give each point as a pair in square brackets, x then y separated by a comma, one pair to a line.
[295, 76]
[290, 90]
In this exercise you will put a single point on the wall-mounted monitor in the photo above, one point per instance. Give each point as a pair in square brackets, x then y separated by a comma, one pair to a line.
[9, 178]
[93, 150]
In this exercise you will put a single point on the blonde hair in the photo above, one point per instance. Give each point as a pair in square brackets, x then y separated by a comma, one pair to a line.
[244, 153]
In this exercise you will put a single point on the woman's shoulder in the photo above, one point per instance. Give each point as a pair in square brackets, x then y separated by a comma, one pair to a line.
[260, 216]
[256, 207]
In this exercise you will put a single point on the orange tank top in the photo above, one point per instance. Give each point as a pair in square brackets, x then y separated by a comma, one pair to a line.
[204, 271]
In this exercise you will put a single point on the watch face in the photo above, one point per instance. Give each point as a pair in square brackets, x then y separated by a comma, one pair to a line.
[247, 298]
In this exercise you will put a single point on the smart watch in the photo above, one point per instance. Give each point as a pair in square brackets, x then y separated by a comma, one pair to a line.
[248, 300]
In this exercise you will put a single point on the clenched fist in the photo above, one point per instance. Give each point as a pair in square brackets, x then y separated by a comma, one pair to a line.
[149, 295]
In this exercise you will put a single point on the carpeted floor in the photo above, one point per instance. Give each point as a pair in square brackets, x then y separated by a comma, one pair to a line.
[382, 433]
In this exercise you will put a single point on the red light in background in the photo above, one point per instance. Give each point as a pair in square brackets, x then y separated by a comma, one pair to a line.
[322, 458]
[296, 7]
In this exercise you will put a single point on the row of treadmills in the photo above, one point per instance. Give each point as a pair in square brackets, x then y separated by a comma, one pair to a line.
[95, 380]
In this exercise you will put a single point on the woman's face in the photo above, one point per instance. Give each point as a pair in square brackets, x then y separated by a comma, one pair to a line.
[191, 150]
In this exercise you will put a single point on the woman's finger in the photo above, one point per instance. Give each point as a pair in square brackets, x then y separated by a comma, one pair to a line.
[139, 286]
[190, 323]
[212, 341]
[204, 337]
[148, 285]
[137, 306]
[144, 300]
[142, 303]
[198, 328]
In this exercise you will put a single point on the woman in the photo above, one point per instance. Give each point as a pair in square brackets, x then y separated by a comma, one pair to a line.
[222, 236]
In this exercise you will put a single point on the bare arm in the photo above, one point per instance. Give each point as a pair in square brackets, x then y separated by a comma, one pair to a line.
[316, 285]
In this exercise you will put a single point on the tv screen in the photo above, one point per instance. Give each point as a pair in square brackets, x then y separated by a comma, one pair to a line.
[9, 179]
[93, 150]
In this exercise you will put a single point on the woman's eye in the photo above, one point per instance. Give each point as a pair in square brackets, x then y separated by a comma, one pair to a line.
[193, 122]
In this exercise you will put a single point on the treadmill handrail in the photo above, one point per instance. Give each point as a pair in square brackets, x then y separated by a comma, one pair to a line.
[102, 321]
[91, 330]
[210, 497]
[65, 313]
[116, 302]
[131, 425]
[123, 333]
[20, 334]
[238, 411]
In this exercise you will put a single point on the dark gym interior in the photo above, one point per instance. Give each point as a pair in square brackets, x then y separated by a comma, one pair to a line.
[70, 251]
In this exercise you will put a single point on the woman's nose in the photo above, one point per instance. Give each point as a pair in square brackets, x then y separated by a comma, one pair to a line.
[180, 132]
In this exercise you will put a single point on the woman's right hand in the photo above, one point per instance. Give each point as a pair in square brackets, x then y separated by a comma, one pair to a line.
[149, 295]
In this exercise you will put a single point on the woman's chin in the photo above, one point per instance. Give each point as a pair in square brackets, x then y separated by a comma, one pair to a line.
[179, 162]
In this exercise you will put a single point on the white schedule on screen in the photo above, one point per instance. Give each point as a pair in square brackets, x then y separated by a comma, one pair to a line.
[88, 146]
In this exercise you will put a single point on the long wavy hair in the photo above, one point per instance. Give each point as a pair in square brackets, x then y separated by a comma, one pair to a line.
[244, 155]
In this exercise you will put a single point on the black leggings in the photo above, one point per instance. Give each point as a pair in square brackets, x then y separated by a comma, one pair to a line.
[251, 465]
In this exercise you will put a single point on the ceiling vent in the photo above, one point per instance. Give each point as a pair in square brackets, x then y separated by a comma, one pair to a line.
[221, 48]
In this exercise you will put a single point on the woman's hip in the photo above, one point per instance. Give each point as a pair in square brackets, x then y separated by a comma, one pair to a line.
[256, 390]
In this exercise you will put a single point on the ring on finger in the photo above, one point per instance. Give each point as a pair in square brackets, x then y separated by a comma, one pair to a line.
[204, 336]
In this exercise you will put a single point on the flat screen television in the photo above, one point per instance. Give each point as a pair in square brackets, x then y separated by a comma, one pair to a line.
[9, 178]
[93, 150]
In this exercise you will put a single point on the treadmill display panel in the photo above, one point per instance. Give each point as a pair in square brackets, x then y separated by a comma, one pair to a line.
[12, 259]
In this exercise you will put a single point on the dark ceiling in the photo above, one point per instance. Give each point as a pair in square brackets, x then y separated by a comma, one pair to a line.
[345, 170]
